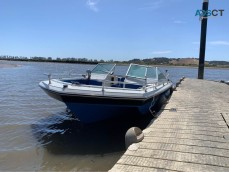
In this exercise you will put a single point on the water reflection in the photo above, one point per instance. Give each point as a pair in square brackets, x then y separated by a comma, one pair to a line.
[63, 134]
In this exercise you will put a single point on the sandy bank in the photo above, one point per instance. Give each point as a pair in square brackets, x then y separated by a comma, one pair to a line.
[7, 65]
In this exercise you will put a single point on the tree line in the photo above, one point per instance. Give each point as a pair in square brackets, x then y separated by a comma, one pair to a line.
[155, 60]
[147, 61]
[50, 59]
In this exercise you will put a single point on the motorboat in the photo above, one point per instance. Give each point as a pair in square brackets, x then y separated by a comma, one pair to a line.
[100, 94]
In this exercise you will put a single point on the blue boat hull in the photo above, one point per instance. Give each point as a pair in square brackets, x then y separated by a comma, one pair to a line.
[91, 113]
[94, 109]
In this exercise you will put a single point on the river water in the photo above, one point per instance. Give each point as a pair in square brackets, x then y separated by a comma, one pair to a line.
[36, 132]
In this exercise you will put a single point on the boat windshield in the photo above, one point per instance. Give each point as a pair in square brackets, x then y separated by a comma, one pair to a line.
[136, 71]
[103, 68]
[140, 71]
[145, 72]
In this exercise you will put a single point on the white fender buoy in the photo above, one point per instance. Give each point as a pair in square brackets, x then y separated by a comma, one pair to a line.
[133, 135]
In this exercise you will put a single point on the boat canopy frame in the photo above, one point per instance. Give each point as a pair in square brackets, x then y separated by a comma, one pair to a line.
[129, 78]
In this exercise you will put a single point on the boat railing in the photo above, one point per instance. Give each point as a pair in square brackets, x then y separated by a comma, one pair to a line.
[62, 76]
[119, 82]
[155, 85]
[145, 87]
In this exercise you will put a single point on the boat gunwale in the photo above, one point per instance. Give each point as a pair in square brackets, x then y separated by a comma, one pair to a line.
[149, 85]
[142, 98]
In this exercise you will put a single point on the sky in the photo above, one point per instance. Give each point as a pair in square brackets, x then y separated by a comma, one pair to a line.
[111, 29]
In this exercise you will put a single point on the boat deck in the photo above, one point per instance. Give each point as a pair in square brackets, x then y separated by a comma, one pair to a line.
[190, 134]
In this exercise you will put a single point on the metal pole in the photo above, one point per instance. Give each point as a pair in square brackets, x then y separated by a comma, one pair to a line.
[204, 22]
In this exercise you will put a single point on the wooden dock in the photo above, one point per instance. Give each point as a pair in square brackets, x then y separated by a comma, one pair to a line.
[190, 134]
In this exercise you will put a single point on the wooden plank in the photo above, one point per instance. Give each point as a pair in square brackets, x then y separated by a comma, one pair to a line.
[192, 138]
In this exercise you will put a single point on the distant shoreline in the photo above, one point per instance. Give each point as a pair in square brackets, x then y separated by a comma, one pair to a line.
[4, 65]
[208, 67]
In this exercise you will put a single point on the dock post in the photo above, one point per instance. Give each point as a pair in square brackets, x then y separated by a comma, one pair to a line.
[203, 40]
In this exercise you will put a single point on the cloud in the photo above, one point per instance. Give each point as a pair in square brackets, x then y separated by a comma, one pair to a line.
[219, 42]
[179, 22]
[162, 52]
[92, 4]
[152, 5]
